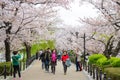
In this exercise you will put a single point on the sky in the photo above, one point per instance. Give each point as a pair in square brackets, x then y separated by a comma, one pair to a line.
[71, 17]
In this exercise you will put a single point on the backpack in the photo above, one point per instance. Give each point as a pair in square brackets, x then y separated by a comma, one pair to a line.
[53, 57]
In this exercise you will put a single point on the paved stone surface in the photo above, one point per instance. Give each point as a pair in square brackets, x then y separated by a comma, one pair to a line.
[35, 72]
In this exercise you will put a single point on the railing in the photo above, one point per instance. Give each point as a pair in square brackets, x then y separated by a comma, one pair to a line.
[23, 66]
[30, 60]
[95, 72]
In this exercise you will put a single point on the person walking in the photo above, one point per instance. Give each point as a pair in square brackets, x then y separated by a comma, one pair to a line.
[59, 55]
[37, 55]
[64, 58]
[78, 60]
[53, 60]
[16, 64]
[47, 59]
[42, 58]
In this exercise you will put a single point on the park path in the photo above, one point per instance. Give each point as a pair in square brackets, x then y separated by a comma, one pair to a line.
[35, 72]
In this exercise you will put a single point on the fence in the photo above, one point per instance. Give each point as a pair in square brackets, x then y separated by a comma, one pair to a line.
[95, 72]
[23, 66]
[30, 60]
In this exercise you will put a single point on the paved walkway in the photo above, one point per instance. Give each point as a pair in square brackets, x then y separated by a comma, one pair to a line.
[35, 72]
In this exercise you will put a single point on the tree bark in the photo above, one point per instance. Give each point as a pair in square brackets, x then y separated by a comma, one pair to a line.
[7, 41]
[116, 50]
[7, 50]
[28, 49]
[108, 48]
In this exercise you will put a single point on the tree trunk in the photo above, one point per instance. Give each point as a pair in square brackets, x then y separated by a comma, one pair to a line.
[7, 50]
[28, 49]
[108, 48]
[117, 49]
[7, 41]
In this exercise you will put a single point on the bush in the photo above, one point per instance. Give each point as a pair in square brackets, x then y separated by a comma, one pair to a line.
[116, 62]
[8, 67]
[93, 58]
[112, 59]
[102, 62]
[113, 73]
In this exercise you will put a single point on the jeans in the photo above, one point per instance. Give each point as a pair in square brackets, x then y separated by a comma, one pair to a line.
[43, 64]
[47, 65]
[78, 66]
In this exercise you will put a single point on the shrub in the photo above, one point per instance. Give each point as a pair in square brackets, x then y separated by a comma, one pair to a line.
[93, 58]
[116, 62]
[111, 60]
[113, 73]
[102, 62]
[8, 67]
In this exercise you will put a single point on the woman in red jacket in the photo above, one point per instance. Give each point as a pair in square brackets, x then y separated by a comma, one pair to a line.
[64, 58]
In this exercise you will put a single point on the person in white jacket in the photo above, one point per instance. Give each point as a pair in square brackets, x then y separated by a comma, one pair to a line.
[78, 60]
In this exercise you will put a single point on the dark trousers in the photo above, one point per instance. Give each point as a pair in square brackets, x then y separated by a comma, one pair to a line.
[65, 67]
[16, 69]
[53, 64]
[78, 66]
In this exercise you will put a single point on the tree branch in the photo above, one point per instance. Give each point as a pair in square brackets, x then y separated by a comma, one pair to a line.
[106, 13]
[3, 27]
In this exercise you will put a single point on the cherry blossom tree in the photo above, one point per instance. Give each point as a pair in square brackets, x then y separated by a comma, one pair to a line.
[107, 26]
[20, 17]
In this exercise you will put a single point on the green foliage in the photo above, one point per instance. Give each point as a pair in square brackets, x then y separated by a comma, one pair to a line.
[51, 44]
[42, 45]
[113, 73]
[8, 67]
[102, 61]
[115, 62]
[110, 66]
[112, 59]
[93, 58]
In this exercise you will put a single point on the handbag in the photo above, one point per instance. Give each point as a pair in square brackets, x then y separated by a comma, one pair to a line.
[68, 62]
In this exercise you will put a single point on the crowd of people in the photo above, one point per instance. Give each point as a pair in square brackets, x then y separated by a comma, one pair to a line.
[49, 58]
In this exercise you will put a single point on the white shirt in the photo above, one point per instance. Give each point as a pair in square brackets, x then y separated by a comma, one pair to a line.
[79, 56]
